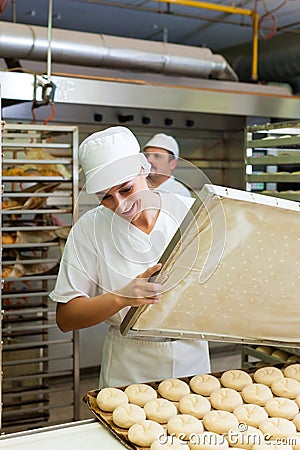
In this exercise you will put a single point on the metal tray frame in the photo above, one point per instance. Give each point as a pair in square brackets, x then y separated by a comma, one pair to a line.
[134, 313]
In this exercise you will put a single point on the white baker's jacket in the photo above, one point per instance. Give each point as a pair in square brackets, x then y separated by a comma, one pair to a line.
[104, 253]
[173, 186]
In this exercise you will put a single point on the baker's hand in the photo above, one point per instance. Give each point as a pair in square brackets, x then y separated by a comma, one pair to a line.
[140, 291]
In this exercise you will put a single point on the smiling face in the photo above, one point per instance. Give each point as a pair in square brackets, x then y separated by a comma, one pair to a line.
[162, 164]
[126, 199]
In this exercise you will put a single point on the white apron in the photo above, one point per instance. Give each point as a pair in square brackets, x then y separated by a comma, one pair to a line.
[126, 360]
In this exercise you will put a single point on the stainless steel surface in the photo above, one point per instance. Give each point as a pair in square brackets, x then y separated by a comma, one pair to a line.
[70, 436]
[97, 50]
[217, 99]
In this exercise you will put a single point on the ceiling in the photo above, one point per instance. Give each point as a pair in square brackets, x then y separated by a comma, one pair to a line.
[161, 21]
[184, 22]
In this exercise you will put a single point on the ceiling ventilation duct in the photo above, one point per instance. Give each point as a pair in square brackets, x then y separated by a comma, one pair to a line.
[21, 41]
[276, 65]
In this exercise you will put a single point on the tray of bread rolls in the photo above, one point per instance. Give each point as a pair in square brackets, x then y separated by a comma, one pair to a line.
[256, 408]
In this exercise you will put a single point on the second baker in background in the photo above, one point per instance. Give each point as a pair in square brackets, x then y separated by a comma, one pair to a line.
[162, 152]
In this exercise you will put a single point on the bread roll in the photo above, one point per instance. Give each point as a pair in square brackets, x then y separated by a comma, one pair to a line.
[260, 364]
[10, 204]
[293, 358]
[266, 375]
[281, 407]
[8, 238]
[226, 399]
[109, 398]
[272, 445]
[183, 426]
[7, 271]
[265, 349]
[257, 394]
[297, 400]
[160, 410]
[204, 384]
[287, 387]
[294, 441]
[169, 443]
[140, 394]
[219, 421]
[245, 438]
[235, 379]
[194, 404]
[144, 433]
[280, 354]
[208, 441]
[250, 414]
[124, 416]
[292, 371]
[277, 428]
[173, 389]
[296, 421]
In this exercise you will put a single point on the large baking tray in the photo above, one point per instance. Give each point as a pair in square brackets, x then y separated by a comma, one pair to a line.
[231, 273]
[105, 418]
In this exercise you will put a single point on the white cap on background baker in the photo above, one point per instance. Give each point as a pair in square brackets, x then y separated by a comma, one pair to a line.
[164, 141]
[111, 157]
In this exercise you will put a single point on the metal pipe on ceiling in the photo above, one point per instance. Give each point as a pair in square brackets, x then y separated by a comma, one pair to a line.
[22, 41]
[230, 10]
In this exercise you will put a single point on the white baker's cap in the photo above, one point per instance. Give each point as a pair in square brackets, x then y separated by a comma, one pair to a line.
[111, 157]
[164, 141]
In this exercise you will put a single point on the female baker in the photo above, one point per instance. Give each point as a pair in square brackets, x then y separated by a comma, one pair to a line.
[111, 253]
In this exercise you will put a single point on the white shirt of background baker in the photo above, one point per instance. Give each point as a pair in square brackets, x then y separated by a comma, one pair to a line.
[174, 186]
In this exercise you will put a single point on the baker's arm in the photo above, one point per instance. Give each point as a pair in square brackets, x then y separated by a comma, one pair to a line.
[83, 312]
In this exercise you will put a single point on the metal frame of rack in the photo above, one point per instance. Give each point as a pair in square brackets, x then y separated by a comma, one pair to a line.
[267, 148]
[36, 356]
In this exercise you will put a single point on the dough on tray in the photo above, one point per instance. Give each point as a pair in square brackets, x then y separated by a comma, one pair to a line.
[140, 394]
[244, 437]
[144, 433]
[235, 379]
[160, 410]
[287, 387]
[173, 389]
[219, 421]
[250, 414]
[183, 426]
[109, 398]
[281, 407]
[272, 445]
[208, 441]
[296, 421]
[194, 404]
[257, 393]
[292, 371]
[204, 384]
[277, 428]
[124, 416]
[266, 375]
[169, 443]
[226, 399]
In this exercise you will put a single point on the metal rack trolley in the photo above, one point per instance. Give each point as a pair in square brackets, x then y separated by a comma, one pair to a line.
[40, 190]
[272, 167]
[272, 159]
